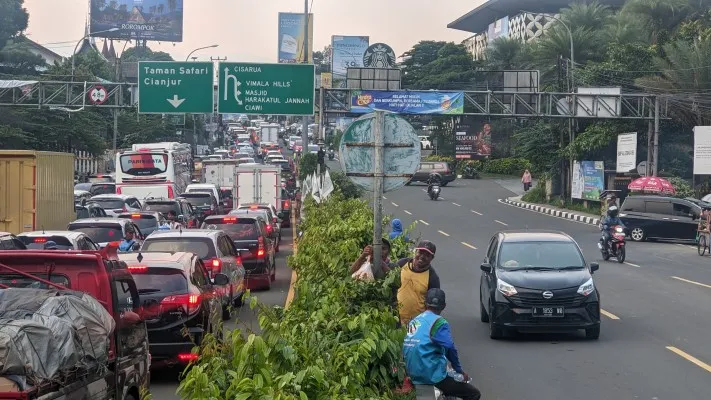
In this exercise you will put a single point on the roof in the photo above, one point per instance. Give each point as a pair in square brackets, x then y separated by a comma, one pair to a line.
[536, 236]
[157, 257]
[67, 234]
[201, 186]
[112, 196]
[103, 220]
[191, 233]
[478, 20]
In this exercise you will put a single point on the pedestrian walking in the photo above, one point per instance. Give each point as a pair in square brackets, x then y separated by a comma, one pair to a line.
[526, 180]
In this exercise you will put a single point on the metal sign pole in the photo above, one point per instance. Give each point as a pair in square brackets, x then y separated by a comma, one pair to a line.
[378, 191]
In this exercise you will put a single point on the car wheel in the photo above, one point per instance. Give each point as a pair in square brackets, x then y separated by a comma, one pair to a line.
[272, 277]
[129, 397]
[237, 302]
[495, 332]
[483, 316]
[593, 333]
[638, 235]
[227, 309]
[277, 246]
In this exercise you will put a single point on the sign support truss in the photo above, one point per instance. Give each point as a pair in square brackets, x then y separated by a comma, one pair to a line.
[67, 94]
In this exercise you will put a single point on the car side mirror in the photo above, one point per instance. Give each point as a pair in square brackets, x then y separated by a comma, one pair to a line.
[594, 267]
[220, 279]
[486, 267]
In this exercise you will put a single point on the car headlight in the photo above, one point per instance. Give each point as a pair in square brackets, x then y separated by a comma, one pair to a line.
[586, 288]
[505, 289]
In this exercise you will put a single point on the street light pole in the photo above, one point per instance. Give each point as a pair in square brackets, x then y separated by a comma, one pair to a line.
[200, 48]
[305, 60]
[74, 54]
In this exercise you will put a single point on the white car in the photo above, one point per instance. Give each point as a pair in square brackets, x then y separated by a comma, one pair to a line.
[270, 159]
[115, 204]
[65, 240]
[274, 153]
[425, 143]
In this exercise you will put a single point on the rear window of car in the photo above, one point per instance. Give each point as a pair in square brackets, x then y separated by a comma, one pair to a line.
[162, 207]
[82, 212]
[109, 204]
[37, 243]
[106, 188]
[202, 247]
[236, 228]
[99, 233]
[198, 199]
[143, 221]
[160, 280]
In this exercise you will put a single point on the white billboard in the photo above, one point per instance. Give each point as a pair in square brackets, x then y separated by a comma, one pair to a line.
[702, 150]
[626, 152]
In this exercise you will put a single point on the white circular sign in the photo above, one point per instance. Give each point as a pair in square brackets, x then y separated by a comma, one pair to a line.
[98, 95]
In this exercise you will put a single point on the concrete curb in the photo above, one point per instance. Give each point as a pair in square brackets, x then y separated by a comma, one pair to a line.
[556, 213]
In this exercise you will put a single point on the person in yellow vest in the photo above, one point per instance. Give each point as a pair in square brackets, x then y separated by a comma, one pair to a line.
[417, 276]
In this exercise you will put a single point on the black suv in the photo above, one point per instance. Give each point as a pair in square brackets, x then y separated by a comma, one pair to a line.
[252, 239]
[177, 296]
[660, 217]
[180, 206]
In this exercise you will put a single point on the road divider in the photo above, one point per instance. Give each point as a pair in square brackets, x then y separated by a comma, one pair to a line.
[468, 245]
[443, 233]
[609, 314]
[552, 211]
[690, 358]
[692, 282]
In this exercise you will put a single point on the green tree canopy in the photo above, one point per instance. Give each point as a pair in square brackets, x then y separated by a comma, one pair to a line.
[13, 19]
[141, 53]
[437, 65]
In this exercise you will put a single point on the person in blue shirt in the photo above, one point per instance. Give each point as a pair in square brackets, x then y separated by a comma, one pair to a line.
[429, 346]
[610, 220]
[396, 230]
[128, 243]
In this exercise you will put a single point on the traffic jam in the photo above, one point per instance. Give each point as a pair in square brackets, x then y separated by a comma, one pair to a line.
[167, 244]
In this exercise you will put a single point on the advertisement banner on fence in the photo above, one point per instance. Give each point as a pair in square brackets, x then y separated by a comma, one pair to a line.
[627, 152]
[346, 52]
[588, 180]
[407, 102]
[291, 38]
[702, 150]
[472, 137]
[137, 19]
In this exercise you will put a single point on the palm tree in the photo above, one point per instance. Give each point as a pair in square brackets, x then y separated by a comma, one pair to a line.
[594, 16]
[506, 54]
[625, 28]
[659, 17]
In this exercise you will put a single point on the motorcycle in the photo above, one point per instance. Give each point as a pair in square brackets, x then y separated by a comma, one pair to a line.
[434, 191]
[615, 247]
[331, 155]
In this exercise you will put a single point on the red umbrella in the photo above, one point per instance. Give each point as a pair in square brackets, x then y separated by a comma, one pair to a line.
[651, 184]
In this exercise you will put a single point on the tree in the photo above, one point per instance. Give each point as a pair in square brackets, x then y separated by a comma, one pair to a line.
[659, 17]
[17, 59]
[507, 54]
[322, 60]
[449, 67]
[87, 67]
[140, 53]
[13, 19]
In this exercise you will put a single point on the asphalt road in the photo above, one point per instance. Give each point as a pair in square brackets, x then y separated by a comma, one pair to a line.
[655, 337]
[164, 382]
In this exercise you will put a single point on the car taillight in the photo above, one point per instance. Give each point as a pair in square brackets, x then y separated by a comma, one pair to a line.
[260, 250]
[188, 357]
[118, 189]
[171, 193]
[286, 204]
[216, 265]
[137, 268]
[40, 240]
[269, 228]
[135, 216]
[189, 302]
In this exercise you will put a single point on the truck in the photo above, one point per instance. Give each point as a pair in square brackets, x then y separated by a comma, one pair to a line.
[258, 184]
[89, 289]
[36, 190]
[269, 133]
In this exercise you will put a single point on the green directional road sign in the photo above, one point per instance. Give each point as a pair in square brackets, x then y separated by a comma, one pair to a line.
[275, 89]
[175, 87]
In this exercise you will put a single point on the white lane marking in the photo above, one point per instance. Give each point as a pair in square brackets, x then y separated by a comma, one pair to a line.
[444, 233]
[692, 282]
[468, 245]
[407, 212]
[548, 215]
[395, 204]
[608, 314]
[424, 190]
[502, 223]
[458, 205]
[632, 265]
[476, 212]
[385, 198]
[424, 222]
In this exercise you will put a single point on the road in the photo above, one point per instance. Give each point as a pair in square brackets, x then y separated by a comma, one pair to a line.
[655, 328]
[164, 382]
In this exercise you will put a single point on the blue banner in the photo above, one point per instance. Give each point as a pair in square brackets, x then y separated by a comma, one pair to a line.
[292, 37]
[347, 52]
[407, 102]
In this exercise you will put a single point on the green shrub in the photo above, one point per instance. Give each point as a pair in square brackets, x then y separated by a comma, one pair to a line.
[338, 338]
[507, 166]
[469, 169]
[682, 187]
[348, 189]
[307, 165]
[536, 194]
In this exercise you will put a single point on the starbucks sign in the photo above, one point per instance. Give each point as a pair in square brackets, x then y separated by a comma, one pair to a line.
[379, 55]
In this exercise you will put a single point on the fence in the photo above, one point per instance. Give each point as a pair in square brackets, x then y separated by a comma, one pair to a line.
[86, 163]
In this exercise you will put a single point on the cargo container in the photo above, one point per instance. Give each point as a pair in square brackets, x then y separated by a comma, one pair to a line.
[258, 184]
[36, 190]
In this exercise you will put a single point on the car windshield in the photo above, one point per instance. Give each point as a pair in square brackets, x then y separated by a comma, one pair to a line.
[161, 280]
[543, 254]
[245, 229]
[109, 204]
[162, 207]
[200, 190]
[100, 233]
[198, 199]
[37, 243]
[107, 188]
[83, 186]
[202, 247]
[143, 221]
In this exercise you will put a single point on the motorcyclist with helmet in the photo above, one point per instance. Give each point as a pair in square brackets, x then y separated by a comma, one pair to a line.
[429, 347]
[433, 179]
[610, 220]
[129, 242]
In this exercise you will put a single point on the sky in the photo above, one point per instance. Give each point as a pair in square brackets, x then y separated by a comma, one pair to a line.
[246, 30]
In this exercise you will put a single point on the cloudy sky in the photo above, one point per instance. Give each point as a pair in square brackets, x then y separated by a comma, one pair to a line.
[246, 30]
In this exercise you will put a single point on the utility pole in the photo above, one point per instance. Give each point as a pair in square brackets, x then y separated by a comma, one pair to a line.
[321, 117]
[378, 179]
[305, 118]
[656, 136]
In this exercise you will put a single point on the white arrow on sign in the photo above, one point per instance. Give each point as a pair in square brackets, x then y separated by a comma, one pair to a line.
[236, 92]
[175, 101]
[237, 97]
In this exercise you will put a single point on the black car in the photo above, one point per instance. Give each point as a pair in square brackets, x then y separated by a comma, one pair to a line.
[660, 217]
[147, 221]
[252, 239]
[177, 297]
[538, 281]
[89, 210]
[97, 188]
[204, 203]
[187, 215]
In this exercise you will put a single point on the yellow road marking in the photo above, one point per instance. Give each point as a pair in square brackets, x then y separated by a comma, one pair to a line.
[444, 233]
[690, 358]
[502, 223]
[609, 314]
[692, 282]
[468, 245]
[476, 212]
[424, 222]
[407, 212]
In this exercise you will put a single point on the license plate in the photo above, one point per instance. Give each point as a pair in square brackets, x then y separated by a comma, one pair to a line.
[548, 312]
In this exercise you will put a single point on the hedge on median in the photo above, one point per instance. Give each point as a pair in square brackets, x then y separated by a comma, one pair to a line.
[470, 169]
[338, 338]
